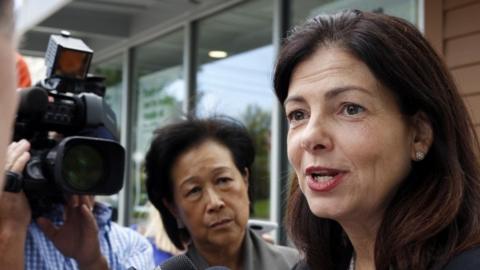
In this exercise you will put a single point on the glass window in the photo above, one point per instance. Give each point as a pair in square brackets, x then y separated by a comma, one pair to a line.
[112, 71]
[159, 90]
[303, 9]
[235, 61]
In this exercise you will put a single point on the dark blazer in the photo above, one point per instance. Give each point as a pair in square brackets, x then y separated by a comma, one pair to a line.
[467, 260]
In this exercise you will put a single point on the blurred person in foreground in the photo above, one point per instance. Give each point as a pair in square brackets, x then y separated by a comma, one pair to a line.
[10, 241]
[198, 177]
[8, 98]
[383, 149]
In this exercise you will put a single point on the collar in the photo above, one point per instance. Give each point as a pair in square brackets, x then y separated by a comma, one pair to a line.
[247, 250]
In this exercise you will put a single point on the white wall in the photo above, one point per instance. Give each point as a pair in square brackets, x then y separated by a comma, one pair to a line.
[31, 12]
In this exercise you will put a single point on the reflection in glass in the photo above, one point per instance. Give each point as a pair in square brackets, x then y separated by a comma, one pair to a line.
[112, 71]
[160, 91]
[235, 62]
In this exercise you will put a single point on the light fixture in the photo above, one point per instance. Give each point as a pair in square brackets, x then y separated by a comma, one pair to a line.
[217, 54]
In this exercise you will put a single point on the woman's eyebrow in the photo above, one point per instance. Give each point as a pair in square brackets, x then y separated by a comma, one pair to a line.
[334, 92]
[187, 181]
[330, 94]
[220, 169]
[293, 98]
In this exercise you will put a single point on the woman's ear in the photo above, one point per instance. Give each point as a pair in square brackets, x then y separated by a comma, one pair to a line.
[422, 136]
[173, 210]
[171, 207]
[246, 177]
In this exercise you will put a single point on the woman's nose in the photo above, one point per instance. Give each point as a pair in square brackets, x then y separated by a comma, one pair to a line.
[316, 136]
[215, 201]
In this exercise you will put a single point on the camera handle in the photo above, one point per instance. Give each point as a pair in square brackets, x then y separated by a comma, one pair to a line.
[13, 182]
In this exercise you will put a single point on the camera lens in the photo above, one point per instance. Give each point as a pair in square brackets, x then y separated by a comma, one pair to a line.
[83, 167]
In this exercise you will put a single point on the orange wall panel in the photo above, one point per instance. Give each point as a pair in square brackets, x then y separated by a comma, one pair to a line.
[460, 40]
[473, 105]
[463, 51]
[477, 130]
[467, 79]
[462, 21]
[449, 4]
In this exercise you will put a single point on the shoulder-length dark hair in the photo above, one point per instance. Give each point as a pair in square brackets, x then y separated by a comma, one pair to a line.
[435, 213]
[172, 141]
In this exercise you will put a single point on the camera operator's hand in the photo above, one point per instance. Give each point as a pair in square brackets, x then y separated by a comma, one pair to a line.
[17, 156]
[14, 208]
[15, 212]
[78, 236]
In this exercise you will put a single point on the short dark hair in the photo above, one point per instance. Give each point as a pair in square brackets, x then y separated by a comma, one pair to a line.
[435, 212]
[173, 140]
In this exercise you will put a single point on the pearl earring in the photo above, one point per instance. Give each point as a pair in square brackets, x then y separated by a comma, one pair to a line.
[419, 156]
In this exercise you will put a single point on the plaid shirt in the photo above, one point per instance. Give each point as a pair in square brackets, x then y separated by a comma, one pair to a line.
[122, 247]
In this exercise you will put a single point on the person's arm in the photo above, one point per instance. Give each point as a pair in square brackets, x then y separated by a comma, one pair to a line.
[8, 95]
[15, 213]
[78, 236]
[14, 219]
[137, 252]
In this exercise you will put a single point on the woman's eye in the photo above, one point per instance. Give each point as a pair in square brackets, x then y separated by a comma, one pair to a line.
[296, 116]
[352, 109]
[224, 180]
[193, 191]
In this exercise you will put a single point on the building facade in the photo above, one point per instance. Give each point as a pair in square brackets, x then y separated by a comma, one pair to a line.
[165, 58]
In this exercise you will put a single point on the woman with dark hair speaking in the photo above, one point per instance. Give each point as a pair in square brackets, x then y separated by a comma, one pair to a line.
[198, 177]
[383, 149]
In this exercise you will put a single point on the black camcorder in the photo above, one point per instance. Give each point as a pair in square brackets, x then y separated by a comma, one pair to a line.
[72, 131]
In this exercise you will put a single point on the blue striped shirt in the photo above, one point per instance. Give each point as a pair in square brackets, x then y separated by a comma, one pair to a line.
[122, 247]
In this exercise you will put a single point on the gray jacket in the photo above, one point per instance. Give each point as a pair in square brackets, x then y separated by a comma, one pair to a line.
[258, 255]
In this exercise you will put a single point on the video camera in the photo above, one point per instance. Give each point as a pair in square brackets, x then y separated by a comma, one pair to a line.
[66, 105]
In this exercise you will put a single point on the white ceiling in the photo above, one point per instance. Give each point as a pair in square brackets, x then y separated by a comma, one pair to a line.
[104, 23]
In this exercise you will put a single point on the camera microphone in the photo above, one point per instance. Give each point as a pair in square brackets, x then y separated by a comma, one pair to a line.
[33, 101]
[180, 262]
